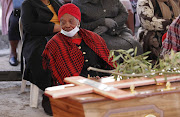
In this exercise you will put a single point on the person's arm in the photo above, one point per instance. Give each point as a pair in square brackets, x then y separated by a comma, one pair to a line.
[122, 16]
[57, 28]
[147, 18]
[93, 25]
[30, 24]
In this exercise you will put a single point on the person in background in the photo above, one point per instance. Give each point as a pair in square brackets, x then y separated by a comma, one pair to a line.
[108, 19]
[13, 7]
[40, 22]
[155, 17]
[7, 8]
[172, 40]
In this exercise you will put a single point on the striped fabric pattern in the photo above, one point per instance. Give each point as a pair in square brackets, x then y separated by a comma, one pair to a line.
[64, 59]
[172, 40]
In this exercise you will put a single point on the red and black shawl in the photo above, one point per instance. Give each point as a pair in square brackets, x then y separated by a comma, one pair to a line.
[64, 59]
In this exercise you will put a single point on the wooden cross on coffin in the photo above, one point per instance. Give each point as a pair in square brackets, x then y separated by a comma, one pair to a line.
[110, 89]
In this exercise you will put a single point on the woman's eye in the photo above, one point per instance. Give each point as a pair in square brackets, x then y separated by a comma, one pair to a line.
[71, 22]
[63, 23]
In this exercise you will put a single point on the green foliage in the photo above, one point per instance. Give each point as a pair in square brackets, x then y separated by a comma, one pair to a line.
[170, 63]
[137, 66]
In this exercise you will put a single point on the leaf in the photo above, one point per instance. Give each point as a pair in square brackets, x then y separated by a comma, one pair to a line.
[135, 51]
[136, 67]
[116, 58]
[114, 65]
[145, 57]
[130, 50]
[146, 53]
[140, 65]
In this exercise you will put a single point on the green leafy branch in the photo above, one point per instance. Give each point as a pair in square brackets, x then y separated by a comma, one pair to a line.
[137, 66]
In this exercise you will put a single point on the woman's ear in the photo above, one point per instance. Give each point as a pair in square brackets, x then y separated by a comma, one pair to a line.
[78, 24]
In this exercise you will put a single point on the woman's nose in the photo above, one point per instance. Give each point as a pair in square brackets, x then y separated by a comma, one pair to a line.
[67, 25]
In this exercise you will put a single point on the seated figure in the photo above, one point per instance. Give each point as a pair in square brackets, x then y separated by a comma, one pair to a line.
[39, 19]
[172, 40]
[71, 51]
[155, 17]
[107, 18]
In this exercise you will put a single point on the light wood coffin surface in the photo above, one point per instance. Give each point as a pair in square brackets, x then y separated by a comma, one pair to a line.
[165, 104]
[77, 90]
[143, 81]
[116, 94]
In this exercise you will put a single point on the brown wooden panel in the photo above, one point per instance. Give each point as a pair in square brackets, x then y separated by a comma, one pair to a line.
[150, 100]
[66, 108]
[168, 103]
[139, 113]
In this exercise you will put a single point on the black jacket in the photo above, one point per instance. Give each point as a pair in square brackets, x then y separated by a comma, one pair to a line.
[35, 17]
[94, 13]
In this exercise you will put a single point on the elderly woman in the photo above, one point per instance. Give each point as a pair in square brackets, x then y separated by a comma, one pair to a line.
[71, 51]
[108, 19]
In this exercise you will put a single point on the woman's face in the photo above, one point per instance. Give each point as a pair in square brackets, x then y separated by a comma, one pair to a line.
[68, 22]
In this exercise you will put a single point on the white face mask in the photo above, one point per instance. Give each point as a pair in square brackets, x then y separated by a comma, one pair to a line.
[70, 33]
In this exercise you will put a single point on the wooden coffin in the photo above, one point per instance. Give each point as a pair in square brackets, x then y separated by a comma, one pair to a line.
[152, 101]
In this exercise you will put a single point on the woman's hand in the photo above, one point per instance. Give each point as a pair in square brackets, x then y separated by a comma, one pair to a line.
[100, 29]
[57, 28]
[110, 23]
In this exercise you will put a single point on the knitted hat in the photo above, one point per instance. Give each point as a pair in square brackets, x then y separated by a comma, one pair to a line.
[70, 9]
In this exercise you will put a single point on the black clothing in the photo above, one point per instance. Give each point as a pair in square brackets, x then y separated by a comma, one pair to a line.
[46, 105]
[91, 59]
[94, 13]
[36, 18]
[13, 31]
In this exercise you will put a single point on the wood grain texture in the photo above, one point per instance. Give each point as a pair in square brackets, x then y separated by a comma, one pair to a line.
[93, 105]
[115, 94]
[77, 90]
[168, 103]
[66, 108]
[142, 81]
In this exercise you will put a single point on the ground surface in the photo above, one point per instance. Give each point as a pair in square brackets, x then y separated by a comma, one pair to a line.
[13, 104]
